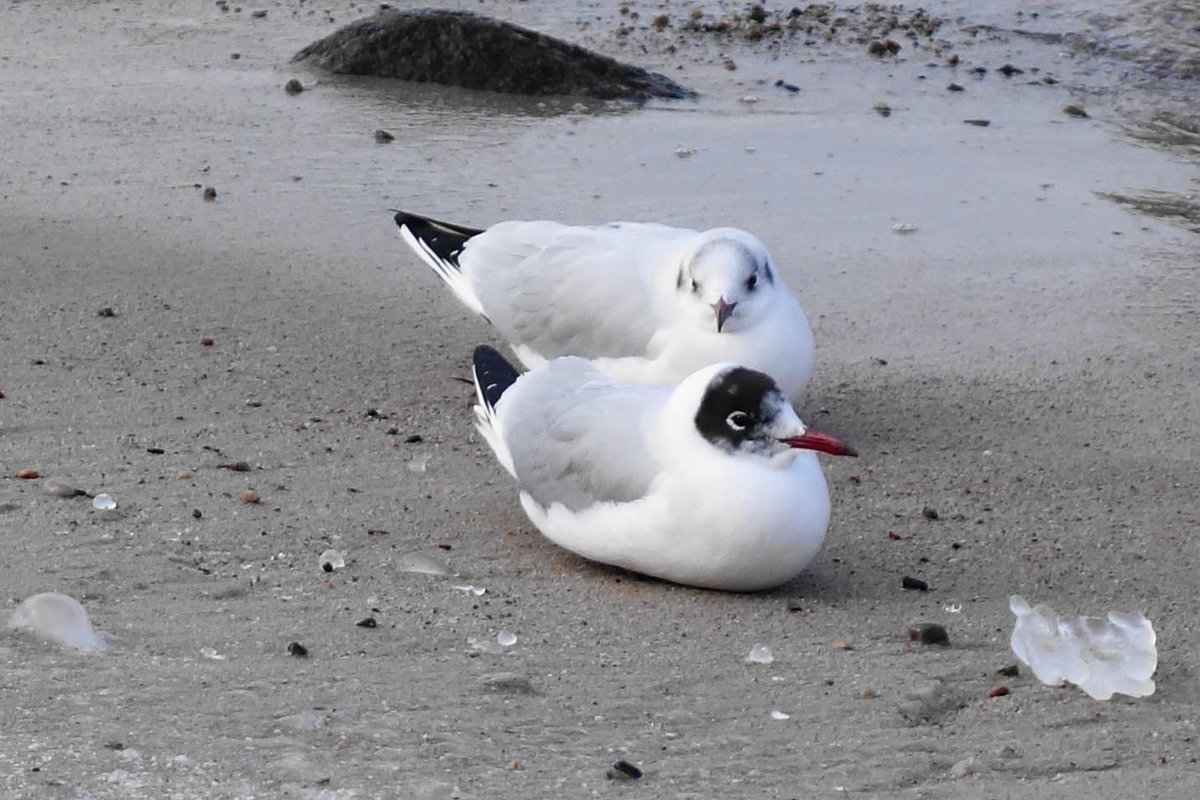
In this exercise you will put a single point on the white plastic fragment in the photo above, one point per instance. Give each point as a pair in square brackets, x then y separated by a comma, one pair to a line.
[777, 714]
[59, 618]
[331, 560]
[1100, 656]
[904, 228]
[211, 653]
[484, 646]
[760, 654]
[478, 591]
[104, 502]
[685, 152]
[506, 639]
[418, 463]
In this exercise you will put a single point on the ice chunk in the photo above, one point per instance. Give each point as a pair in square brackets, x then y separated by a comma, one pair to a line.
[1100, 656]
[777, 714]
[331, 560]
[760, 654]
[506, 639]
[59, 618]
[104, 502]
[422, 563]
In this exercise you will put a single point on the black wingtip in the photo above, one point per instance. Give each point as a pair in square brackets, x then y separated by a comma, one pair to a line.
[445, 239]
[493, 374]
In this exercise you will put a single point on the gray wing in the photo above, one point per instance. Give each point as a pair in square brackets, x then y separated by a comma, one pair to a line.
[577, 438]
[560, 290]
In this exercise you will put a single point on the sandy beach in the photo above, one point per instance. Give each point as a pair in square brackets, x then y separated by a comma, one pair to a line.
[1018, 371]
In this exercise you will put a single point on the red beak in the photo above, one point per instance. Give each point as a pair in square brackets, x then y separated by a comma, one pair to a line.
[821, 442]
[724, 312]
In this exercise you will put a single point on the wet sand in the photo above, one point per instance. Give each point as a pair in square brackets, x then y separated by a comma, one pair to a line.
[1024, 364]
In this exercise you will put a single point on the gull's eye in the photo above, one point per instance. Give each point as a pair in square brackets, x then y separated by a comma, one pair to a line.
[752, 281]
[738, 420]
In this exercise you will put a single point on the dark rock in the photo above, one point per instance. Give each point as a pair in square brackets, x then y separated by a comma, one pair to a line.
[367, 622]
[623, 770]
[914, 583]
[1073, 110]
[508, 682]
[930, 513]
[1009, 671]
[460, 48]
[1008, 70]
[978, 123]
[106, 312]
[954, 87]
[383, 137]
[298, 650]
[928, 633]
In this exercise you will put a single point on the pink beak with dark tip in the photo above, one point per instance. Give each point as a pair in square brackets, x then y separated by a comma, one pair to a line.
[821, 442]
[724, 312]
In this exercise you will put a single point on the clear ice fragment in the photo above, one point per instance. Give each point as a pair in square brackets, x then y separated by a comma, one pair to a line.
[506, 639]
[59, 618]
[777, 714]
[1100, 656]
[478, 591]
[760, 654]
[418, 463]
[104, 502]
[331, 560]
[485, 646]
[419, 562]
[904, 228]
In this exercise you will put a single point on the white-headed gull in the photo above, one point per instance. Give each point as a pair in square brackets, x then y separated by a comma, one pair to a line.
[712, 483]
[649, 303]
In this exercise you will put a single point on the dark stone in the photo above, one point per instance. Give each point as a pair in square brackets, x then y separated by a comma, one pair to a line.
[625, 771]
[460, 48]
[367, 622]
[298, 650]
[1009, 671]
[928, 633]
[914, 583]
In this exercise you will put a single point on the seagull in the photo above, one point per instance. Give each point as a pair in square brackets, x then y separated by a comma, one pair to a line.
[713, 483]
[650, 304]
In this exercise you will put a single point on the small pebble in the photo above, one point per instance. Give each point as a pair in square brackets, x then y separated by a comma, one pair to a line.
[155, 451]
[28, 474]
[414, 439]
[259, 13]
[928, 633]
[298, 650]
[368, 622]
[1073, 110]
[999, 691]
[883, 109]
[869, 694]
[197, 513]
[1009, 671]
[929, 513]
[185, 474]
[210, 193]
[787, 87]
[236, 466]
[207, 341]
[978, 123]
[623, 770]
[106, 312]
[383, 137]
[1008, 70]
[914, 583]
[954, 87]
[250, 496]
[841, 645]
[293, 86]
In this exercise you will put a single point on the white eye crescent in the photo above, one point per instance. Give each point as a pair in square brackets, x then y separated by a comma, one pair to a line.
[738, 420]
